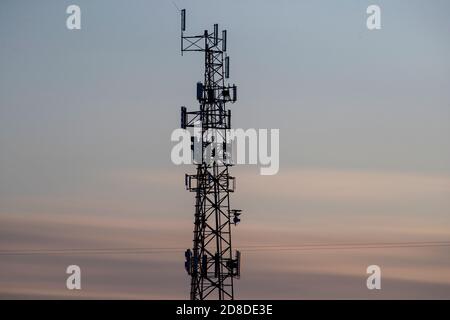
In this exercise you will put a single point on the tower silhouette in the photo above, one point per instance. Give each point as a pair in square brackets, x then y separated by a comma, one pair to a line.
[211, 263]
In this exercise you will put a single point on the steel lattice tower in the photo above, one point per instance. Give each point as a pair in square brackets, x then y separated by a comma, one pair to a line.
[210, 263]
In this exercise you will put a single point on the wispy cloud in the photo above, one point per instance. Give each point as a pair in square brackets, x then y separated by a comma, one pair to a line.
[320, 206]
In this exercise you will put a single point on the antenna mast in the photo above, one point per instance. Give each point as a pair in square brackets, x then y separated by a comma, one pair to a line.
[210, 263]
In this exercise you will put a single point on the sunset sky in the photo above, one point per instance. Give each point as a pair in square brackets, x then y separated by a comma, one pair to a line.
[364, 119]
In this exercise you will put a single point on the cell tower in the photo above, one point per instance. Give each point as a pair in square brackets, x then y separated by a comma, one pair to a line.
[210, 263]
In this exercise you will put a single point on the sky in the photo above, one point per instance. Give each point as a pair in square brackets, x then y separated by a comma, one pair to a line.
[85, 124]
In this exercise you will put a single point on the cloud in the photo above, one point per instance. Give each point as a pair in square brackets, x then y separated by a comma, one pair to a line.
[295, 208]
